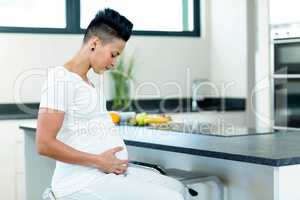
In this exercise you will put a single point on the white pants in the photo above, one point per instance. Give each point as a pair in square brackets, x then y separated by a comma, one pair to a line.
[139, 183]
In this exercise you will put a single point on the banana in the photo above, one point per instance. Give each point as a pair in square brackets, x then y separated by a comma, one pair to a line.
[143, 119]
[156, 119]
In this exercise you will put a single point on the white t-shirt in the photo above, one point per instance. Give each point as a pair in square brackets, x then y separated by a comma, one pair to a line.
[87, 126]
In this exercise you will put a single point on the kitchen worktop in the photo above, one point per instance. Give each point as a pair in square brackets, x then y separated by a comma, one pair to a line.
[275, 149]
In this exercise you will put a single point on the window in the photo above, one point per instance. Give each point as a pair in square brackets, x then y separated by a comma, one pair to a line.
[26, 15]
[155, 17]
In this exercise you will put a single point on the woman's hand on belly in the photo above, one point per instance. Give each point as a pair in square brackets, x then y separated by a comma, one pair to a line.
[109, 163]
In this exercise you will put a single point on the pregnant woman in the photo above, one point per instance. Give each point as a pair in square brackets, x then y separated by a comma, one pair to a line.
[75, 129]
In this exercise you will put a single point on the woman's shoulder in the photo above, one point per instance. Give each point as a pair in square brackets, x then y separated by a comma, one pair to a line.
[59, 73]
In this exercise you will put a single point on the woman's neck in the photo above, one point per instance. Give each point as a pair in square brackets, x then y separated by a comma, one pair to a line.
[79, 65]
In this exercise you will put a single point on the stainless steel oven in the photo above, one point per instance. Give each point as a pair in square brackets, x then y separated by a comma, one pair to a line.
[286, 83]
[287, 56]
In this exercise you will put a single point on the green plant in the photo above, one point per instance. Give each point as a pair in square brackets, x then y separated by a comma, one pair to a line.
[122, 75]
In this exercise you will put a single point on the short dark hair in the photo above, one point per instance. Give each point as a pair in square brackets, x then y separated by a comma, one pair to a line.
[109, 24]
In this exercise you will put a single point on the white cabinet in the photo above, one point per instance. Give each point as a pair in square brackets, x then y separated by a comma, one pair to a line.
[12, 160]
[7, 160]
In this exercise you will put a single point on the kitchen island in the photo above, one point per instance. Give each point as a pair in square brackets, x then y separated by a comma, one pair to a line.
[256, 167]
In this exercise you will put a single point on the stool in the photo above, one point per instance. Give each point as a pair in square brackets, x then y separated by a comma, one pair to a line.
[48, 194]
[186, 177]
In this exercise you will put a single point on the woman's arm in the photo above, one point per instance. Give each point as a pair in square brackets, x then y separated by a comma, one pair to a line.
[48, 124]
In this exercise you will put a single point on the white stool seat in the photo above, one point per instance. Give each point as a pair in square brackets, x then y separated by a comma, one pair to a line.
[189, 178]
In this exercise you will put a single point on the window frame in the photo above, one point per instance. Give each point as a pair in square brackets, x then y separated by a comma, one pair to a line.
[73, 24]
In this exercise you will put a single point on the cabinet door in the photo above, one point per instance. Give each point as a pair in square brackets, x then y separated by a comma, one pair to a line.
[7, 160]
[12, 160]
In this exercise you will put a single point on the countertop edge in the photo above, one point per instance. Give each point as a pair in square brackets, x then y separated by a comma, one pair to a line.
[206, 153]
[215, 154]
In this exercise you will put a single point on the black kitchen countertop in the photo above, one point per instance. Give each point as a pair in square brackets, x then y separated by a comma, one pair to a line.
[275, 149]
[17, 116]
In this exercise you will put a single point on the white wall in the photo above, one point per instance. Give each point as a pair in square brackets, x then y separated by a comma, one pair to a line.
[156, 58]
[22, 52]
[170, 63]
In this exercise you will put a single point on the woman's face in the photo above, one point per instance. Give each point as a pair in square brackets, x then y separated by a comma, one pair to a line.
[104, 56]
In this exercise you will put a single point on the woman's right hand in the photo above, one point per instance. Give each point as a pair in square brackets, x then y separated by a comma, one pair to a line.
[109, 163]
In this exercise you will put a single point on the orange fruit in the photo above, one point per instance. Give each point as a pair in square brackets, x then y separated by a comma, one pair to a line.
[116, 118]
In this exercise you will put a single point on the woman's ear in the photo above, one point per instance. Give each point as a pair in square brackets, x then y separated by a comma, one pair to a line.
[94, 42]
